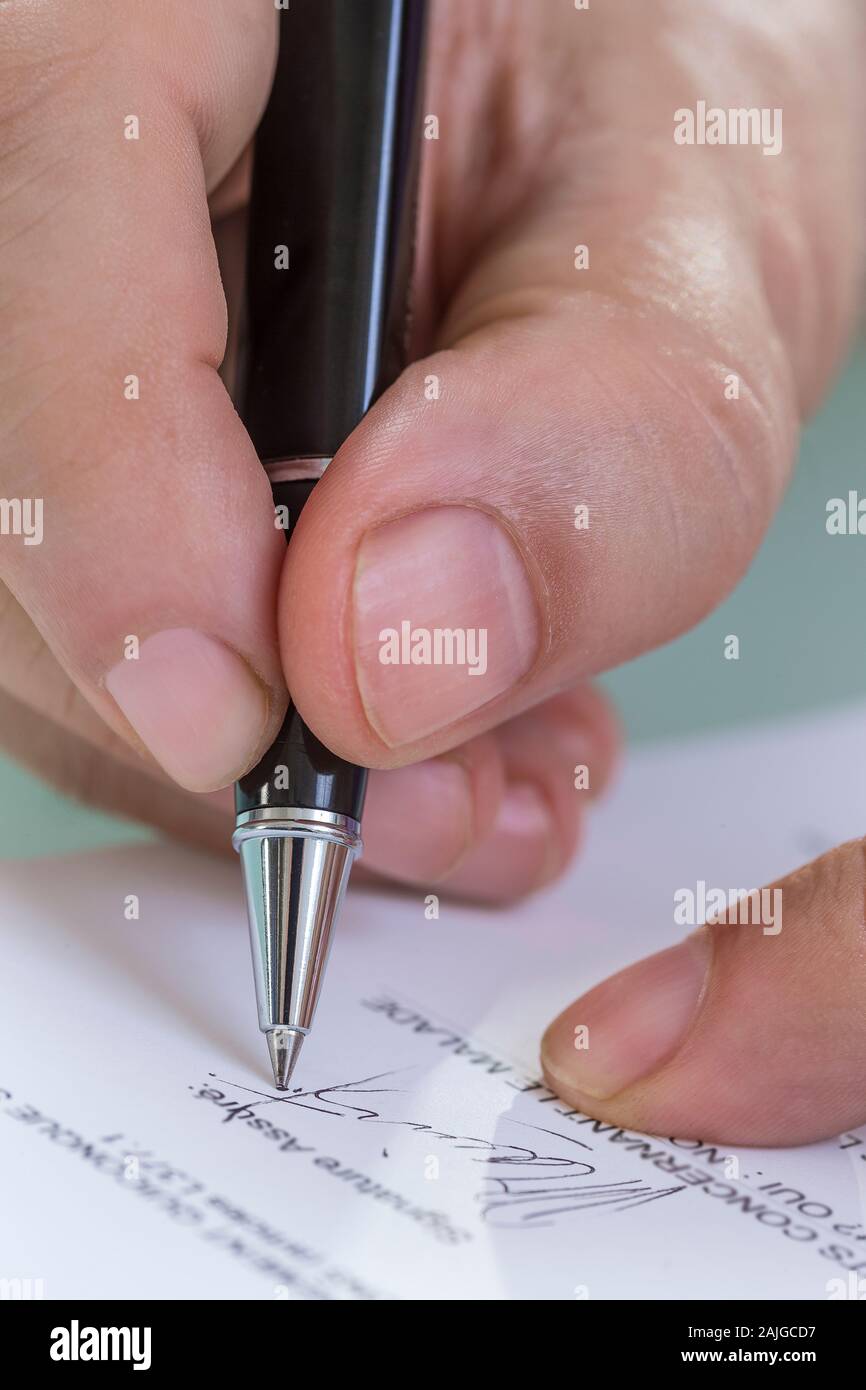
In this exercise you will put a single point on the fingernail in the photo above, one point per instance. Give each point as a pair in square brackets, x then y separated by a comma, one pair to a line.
[629, 1025]
[194, 703]
[445, 620]
[524, 813]
[418, 820]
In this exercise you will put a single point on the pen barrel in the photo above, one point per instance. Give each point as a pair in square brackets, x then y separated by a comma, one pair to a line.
[331, 224]
[297, 769]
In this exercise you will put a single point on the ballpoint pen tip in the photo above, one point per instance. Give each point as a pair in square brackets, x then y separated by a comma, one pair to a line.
[284, 1045]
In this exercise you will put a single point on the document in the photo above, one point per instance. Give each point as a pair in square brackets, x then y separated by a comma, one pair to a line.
[144, 1152]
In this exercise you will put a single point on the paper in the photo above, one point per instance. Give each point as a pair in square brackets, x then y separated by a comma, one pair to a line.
[144, 1154]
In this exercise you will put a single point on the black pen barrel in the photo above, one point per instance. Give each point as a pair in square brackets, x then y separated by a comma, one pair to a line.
[330, 237]
[330, 243]
[298, 770]
[332, 217]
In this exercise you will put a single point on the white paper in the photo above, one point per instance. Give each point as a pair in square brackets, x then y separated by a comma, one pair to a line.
[420, 1157]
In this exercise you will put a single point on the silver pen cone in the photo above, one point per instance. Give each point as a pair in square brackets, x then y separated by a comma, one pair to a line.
[284, 1045]
[296, 866]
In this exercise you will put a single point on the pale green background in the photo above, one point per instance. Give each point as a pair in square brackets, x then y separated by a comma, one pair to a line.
[799, 615]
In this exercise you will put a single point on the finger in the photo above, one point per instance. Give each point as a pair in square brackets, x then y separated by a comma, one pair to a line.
[457, 823]
[420, 821]
[154, 573]
[85, 771]
[500, 816]
[452, 515]
[747, 1032]
[558, 758]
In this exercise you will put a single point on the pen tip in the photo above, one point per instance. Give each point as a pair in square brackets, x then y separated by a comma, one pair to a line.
[284, 1045]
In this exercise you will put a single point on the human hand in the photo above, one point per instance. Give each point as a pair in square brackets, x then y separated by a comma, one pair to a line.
[544, 388]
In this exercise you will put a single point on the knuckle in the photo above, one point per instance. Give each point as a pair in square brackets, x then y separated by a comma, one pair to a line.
[830, 894]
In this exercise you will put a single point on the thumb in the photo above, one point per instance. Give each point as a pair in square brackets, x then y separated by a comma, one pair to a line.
[751, 1031]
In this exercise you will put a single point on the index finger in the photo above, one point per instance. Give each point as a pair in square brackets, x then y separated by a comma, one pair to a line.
[155, 575]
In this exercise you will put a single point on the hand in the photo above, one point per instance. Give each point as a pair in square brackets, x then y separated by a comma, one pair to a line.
[544, 388]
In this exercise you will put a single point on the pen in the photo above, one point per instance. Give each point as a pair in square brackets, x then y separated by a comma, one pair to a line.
[330, 240]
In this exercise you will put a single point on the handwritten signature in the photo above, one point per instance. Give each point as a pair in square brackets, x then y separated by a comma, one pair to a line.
[539, 1186]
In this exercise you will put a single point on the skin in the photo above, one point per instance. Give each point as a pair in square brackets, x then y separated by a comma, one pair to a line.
[558, 387]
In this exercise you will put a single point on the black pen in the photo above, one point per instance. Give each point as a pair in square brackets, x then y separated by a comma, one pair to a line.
[330, 239]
